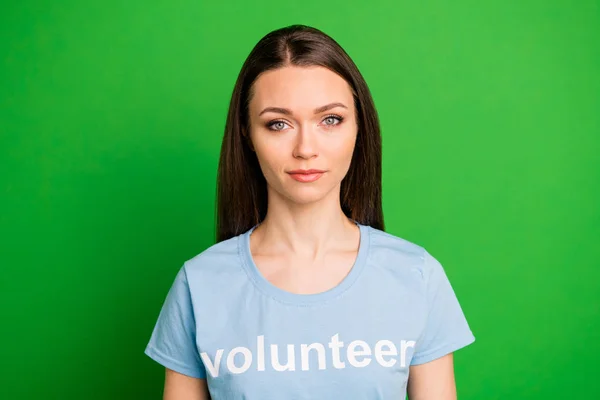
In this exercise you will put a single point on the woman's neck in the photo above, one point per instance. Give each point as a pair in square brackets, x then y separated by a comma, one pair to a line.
[310, 230]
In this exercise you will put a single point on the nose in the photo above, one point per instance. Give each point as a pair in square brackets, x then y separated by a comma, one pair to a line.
[306, 144]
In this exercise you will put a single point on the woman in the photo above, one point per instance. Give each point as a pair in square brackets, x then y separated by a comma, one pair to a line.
[304, 296]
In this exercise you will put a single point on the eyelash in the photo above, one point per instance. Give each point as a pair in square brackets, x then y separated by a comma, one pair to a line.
[338, 117]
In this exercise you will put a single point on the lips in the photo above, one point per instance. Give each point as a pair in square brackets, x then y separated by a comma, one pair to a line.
[306, 175]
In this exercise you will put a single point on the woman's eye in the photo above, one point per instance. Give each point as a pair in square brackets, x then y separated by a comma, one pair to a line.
[332, 120]
[277, 125]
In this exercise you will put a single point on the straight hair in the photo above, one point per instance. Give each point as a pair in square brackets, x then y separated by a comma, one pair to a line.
[241, 187]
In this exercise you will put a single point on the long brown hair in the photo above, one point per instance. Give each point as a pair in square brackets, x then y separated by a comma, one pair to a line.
[241, 186]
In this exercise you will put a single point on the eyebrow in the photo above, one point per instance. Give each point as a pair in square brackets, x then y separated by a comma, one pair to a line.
[289, 112]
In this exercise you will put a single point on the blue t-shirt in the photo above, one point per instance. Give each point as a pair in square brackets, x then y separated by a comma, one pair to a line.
[223, 321]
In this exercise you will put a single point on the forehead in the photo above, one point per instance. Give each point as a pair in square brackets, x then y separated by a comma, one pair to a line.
[299, 88]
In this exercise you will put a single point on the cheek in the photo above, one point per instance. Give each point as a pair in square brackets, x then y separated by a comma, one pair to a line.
[341, 151]
[270, 157]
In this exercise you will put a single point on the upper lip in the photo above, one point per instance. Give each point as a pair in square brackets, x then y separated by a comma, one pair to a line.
[306, 171]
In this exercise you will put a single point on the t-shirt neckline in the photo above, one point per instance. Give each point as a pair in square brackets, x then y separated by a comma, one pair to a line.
[304, 299]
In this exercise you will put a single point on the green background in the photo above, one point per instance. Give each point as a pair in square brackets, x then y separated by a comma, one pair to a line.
[111, 116]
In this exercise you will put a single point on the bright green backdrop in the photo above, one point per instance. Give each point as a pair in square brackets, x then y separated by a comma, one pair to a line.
[111, 116]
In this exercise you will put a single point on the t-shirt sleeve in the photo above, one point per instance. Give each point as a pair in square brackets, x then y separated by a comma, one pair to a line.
[446, 329]
[173, 340]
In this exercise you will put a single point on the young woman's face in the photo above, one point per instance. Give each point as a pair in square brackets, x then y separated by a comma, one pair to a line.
[302, 119]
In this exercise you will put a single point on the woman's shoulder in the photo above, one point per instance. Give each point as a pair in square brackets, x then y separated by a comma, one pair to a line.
[395, 251]
[216, 257]
[388, 242]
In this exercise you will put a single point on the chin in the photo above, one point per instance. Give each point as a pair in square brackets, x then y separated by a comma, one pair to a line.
[302, 193]
[306, 195]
